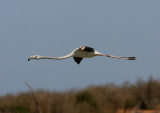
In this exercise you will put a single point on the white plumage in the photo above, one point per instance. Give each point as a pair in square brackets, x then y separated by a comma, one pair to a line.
[80, 53]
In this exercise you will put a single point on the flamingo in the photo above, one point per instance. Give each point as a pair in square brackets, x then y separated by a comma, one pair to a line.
[79, 53]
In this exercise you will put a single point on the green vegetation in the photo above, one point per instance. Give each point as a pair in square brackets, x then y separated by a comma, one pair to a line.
[94, 99]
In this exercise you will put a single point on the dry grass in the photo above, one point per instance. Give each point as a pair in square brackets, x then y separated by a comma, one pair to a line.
[141, 97]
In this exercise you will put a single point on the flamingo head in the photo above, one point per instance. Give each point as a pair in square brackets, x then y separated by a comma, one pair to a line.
[36, 57]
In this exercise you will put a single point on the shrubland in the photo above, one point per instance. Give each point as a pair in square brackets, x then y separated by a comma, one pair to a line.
[108, 98]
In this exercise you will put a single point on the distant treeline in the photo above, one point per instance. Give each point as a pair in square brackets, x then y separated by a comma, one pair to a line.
[94, 99]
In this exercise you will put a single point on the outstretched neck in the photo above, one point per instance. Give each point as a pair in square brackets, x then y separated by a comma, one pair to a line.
[55, 58]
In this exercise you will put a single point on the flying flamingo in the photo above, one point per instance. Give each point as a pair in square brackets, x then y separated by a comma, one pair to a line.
[79, 53]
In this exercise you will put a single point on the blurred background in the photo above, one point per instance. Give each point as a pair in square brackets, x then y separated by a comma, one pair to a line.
[55, 28]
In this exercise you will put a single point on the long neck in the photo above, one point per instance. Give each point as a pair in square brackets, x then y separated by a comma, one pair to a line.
[57, 58]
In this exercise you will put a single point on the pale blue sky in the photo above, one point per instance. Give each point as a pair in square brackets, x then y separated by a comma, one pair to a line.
[56, 27]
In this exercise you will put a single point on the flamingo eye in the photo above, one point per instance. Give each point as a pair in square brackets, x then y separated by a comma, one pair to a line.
[36, 56]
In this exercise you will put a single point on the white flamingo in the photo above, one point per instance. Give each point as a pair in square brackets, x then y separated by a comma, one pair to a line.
[80, 53]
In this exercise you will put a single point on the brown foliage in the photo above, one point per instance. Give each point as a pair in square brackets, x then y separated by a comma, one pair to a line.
[94, 99]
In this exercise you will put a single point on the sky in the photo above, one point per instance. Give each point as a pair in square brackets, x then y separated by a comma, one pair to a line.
[57, 27]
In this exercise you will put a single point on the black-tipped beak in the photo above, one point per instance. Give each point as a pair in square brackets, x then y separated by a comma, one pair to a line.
[29, 59]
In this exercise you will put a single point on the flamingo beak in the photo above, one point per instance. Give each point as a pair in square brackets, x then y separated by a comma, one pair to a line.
[29, 59]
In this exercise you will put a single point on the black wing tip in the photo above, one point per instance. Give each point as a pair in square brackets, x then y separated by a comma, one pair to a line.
[77, 60]
[131, 58]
